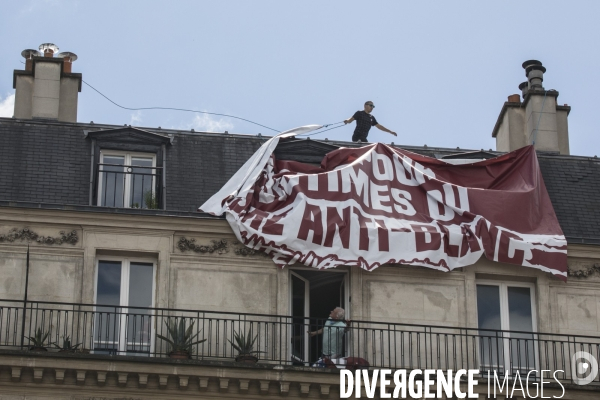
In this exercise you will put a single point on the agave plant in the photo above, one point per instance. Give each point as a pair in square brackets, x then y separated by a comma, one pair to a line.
[244, 344]
[181, 339]
[67, 345]
[37, 341]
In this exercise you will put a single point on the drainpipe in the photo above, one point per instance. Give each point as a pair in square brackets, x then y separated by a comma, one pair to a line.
[92, 172]
[164, 176]
[25, 299]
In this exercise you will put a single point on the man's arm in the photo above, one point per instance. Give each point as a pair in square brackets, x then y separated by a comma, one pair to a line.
[347, 121]
[383, 128]
[314, 333]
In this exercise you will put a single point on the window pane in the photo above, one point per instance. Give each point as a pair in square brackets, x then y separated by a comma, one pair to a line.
[520, 319]
[491, 345]
[112, 181]
[108, 292]
[109, 283]
[140, 285]
[519, 309]
[488, 307]
[139, 321]
[141, 183]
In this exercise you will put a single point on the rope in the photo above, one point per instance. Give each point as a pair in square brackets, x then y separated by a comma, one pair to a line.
[324, 126]
[177, 109]
[211, 113]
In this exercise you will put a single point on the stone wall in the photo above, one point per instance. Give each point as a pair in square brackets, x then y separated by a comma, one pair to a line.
[200, 265]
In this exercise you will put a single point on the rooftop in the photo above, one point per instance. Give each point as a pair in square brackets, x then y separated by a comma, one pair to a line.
[199, 163]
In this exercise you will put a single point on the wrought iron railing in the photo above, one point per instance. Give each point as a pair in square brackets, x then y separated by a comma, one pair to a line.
[129, 186]
[107, 329]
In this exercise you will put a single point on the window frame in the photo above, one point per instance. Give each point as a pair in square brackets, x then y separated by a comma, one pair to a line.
[124, 298]
[128, 155]
[505, 321]
[293, 272]
[504, 316]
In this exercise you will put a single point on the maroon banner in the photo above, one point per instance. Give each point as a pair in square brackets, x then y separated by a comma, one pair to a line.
[379, 205]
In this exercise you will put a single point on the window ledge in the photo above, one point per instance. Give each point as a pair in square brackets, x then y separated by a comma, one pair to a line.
[108, 210]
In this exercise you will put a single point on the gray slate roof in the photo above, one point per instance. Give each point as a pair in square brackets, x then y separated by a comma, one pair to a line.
[49, 162]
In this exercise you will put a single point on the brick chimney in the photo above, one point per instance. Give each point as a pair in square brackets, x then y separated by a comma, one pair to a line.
[47, 88]
[537, 119]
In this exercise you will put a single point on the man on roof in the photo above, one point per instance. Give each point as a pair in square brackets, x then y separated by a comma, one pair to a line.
[364, 122]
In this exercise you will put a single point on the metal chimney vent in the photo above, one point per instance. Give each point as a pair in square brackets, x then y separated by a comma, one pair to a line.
[48, 49]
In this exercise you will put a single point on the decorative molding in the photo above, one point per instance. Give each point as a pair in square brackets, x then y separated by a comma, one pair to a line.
[31, 236]
[217, 246]
[247, 251]
[584, 272]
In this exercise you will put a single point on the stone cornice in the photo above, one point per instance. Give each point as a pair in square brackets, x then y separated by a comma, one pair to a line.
[141, 376]
[33, 216]
[97, 376]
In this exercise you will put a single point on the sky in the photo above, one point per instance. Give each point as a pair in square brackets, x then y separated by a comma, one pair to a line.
[437, 71]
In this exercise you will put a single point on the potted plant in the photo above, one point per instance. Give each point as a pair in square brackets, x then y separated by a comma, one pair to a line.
[67, 346]
[38, 340]
[150, 200]
[181, 339]
[244, 344]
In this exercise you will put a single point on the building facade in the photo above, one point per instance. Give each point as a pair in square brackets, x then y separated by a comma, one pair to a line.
[101, 245]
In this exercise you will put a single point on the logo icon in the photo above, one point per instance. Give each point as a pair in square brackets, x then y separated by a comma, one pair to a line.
[584, 368]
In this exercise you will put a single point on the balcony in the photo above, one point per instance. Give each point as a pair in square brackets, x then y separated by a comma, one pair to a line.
[129, 186]
[98, 330]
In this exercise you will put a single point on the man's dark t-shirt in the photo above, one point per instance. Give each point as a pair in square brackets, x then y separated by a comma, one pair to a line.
[364, 122]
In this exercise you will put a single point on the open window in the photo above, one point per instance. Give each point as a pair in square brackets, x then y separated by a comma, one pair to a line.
[507, 325]
[123, 320]
[313, 295]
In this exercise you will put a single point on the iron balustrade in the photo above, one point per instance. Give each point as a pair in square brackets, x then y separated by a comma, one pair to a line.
[129, 186]
[285, 340]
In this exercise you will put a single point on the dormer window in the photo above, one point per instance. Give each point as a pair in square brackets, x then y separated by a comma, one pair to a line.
[127, 180]
[128, 168]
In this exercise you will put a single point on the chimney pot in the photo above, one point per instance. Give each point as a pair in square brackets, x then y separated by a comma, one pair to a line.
[68, 59]
[524, 86]
[28, 54]
[530, 63]
[514, 98]
[535, 68]
[48, 49]
[535, 74]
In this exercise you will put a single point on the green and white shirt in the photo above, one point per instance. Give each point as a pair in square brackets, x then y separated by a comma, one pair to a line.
[333, 333]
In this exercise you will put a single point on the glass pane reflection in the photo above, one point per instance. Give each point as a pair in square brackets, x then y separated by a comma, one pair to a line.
[491, 345]
[108, 293]
[521, 319]
[141, 183]
[112, 181]
[139, 321]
